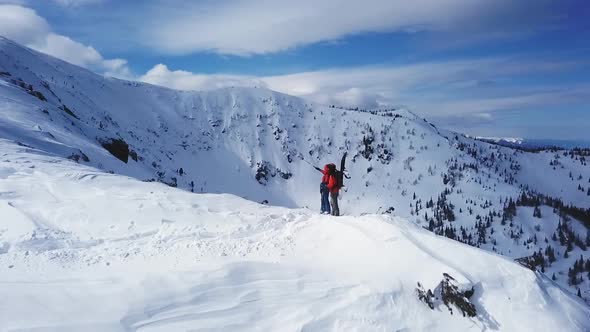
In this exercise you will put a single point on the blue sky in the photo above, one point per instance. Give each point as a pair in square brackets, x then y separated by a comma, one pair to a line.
[485, 67]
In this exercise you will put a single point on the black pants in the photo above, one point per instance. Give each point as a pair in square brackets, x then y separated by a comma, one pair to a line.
[334, 203]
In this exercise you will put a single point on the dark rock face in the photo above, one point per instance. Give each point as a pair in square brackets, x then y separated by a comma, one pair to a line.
[79, 156]
[425, 296]
[265, 170]
[449, 293]
[117, 147]
[69, 112]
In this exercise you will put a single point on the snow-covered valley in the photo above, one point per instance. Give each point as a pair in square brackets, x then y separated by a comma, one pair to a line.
[92, 239]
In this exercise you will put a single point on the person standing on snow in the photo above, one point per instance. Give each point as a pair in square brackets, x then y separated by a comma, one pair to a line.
[334, 188]
[332, 181]
[324, 192]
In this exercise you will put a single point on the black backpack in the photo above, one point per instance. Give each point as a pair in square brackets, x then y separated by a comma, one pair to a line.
[331, 169]
[336, 174]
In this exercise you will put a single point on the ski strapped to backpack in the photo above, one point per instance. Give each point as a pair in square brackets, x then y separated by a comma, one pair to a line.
[338, 174]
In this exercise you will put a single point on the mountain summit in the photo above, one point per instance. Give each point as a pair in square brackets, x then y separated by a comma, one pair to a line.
[83, 222]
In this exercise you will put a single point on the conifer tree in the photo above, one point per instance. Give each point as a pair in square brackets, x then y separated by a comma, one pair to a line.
[537, 212]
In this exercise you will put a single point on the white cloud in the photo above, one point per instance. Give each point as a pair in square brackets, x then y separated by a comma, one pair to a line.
[13, 2]
[24, 26]
[352, 97]
[184, 80]
[434, 89]
[246, 27]
[65, 48]
[117, 68]
[483, 107]
[76, 3]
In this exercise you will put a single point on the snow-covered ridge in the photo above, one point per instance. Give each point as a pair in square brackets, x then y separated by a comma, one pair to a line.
[252, 134]
[87, 250]
[259, 144]
[513, 140]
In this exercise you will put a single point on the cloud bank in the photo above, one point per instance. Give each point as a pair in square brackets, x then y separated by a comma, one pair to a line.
[185, 80]
[25, 26]
[469, 88]
[76, 3]
[247, 27]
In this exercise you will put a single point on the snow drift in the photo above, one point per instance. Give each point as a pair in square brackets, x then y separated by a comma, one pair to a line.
[87, 250]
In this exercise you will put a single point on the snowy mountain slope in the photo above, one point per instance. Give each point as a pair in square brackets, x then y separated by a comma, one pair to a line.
[258, 144]
[244, 130]
[101, 252]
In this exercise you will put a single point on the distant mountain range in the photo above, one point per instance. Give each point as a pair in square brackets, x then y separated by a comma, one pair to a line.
[532, 143]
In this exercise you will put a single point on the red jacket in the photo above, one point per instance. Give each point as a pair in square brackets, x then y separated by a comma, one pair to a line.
[333, 184]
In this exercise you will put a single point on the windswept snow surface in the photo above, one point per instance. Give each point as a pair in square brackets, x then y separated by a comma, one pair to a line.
[85, 250]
